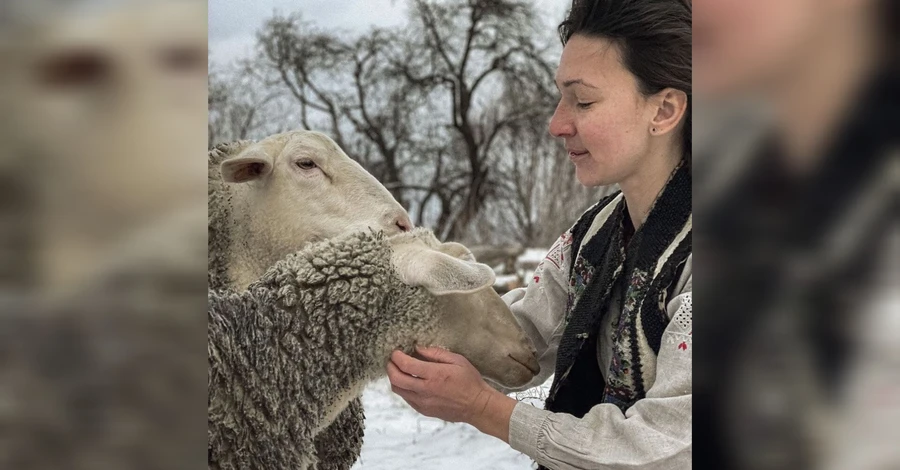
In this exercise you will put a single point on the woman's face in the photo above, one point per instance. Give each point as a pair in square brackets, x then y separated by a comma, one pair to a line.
[602, 116]
[742, 45]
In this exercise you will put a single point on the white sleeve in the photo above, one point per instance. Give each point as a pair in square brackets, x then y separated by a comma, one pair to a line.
[864, 429]
[540, 308]
[655, 433]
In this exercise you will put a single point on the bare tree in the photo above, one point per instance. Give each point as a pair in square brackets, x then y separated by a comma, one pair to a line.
[537, 195]
[464, 49]
[409, 103]
[348, 84]
[239, 104]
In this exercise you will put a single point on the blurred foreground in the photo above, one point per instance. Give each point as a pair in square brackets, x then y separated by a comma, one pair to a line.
[102, 245]
[798, 252]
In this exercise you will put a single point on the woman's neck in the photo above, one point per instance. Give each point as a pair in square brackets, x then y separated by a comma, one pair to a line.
[812, 98]
[642, 188]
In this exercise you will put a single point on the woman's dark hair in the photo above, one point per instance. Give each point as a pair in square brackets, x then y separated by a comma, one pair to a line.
[654, 39]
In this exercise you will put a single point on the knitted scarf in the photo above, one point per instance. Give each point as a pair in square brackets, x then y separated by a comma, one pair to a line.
[647, 267]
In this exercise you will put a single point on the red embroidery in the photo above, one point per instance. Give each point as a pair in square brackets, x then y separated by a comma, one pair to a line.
[683, 346]
[537, 278]
[555, 255]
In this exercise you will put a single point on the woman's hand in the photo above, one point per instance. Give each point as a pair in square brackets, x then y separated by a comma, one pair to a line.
[449, 387]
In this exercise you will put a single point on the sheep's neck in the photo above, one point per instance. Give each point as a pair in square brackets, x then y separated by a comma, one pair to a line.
[404, 317]
[307, 338]
[345, 341]
[250, 256]
[415, 316]
[243, 270]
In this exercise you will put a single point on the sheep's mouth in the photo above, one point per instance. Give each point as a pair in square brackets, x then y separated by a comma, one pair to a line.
[525, 365]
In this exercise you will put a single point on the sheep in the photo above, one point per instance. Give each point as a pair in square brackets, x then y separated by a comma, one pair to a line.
[106, 377]
[290, 352]
[269, 199]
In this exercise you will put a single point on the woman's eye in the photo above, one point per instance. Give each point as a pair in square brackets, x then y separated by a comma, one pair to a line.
[585, 105]
[306, 164]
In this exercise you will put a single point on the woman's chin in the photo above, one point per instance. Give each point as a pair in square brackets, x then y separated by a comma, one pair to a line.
[589, 177]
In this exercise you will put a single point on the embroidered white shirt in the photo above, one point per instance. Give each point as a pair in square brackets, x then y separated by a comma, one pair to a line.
[655, 433]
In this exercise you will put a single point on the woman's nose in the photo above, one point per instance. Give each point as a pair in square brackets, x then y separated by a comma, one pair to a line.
[561, 124]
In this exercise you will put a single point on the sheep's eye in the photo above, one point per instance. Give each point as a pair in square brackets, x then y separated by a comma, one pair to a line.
[306, 164]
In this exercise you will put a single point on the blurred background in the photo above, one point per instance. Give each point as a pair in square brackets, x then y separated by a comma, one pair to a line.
[796, 151]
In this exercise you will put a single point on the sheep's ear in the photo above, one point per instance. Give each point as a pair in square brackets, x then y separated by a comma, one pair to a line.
[438, 272]
[245, 168]
[457, 250]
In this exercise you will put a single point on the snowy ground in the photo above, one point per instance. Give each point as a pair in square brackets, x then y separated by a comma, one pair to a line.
[398, 438]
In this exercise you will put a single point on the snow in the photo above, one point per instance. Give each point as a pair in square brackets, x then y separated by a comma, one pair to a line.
[532, 256]
[506, 279]
[399, 438]
[529, 276]
[528, 261]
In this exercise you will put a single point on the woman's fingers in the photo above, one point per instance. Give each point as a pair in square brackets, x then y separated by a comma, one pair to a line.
[401, 379]
[410, 365]
[435, 354]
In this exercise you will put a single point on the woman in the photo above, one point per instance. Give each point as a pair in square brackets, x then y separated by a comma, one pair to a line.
[609, 309]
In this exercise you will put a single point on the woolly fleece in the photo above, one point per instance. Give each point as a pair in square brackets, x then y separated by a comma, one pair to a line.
[339, 446]
[284, 353]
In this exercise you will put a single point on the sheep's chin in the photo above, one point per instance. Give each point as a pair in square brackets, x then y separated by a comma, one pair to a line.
[508, 383]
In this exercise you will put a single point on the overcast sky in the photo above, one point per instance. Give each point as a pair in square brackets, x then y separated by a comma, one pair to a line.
[233, 23]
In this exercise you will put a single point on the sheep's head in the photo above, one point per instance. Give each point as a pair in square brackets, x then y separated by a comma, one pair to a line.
[299, 187]
[473, 319]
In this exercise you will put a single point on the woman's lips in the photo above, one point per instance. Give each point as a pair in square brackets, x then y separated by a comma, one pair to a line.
[577, 155]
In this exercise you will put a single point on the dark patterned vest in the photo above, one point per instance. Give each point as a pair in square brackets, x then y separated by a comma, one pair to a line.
[647, 265]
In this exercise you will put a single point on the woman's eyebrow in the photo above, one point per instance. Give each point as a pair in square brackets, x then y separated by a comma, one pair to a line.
[577, 81]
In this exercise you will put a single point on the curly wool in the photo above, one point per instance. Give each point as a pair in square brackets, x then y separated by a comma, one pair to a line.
[289, 353]
[339, 446]
[105, 377]
[219, 215]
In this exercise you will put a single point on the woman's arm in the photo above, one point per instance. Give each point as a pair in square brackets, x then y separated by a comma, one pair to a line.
[540, 308]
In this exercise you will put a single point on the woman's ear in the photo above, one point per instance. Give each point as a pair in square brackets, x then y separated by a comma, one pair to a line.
[671, 106]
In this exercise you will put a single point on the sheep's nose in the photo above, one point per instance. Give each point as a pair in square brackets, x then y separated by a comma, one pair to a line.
[403, 223]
